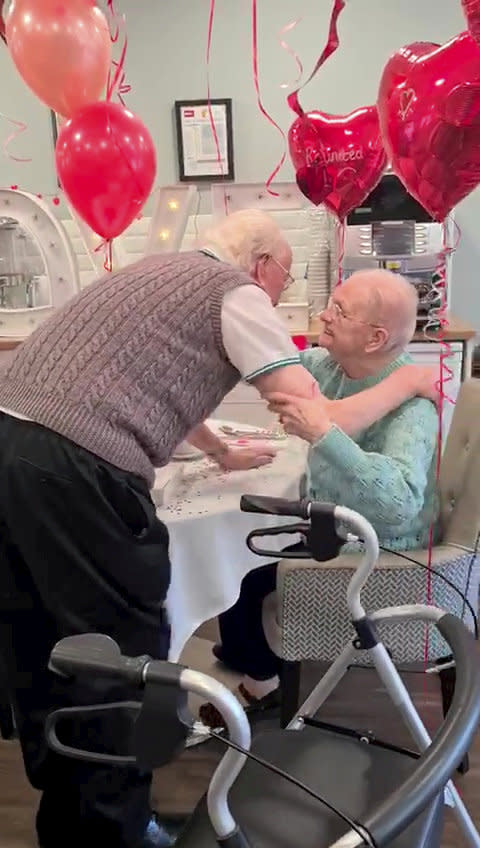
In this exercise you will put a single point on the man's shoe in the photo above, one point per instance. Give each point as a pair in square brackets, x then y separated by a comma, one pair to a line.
[162, 831]
[156, 836]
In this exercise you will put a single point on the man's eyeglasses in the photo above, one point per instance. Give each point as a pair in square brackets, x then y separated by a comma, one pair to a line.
[338, 313]
[289, 280]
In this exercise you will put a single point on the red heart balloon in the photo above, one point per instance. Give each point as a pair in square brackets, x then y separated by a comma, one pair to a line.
[338, 159]
[429, 107]
[106, 164]
[472, 14]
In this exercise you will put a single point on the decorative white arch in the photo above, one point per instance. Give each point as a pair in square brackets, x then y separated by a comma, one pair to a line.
[60, 280]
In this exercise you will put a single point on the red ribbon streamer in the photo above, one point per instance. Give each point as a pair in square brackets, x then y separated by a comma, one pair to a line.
[20, 128]
[259, 100]
[296, 58]
[341, 249]
[331, 46]
[211, 17]
[107, 246]
[116, 77]
[434, 331]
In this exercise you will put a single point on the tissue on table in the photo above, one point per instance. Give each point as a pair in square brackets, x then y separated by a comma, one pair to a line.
[167, 484]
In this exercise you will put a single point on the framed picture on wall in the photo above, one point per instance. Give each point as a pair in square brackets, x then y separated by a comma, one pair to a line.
[199, 158]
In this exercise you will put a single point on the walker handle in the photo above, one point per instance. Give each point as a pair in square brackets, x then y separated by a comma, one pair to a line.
[275, 506]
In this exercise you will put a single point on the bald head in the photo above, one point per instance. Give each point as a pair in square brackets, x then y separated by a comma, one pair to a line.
[387, 300]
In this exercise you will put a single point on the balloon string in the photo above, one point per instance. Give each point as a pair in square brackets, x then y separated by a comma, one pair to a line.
[285, 46]
[437, 322]
[331, 46]
[116, 76]
[114, 17]
[341, 250]
[20, 128]
[211, 16]
[107, 246]
[108, 264]
[260, 102]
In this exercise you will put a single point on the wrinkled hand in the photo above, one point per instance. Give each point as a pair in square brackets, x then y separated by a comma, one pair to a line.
[241, 459]
[301, 417]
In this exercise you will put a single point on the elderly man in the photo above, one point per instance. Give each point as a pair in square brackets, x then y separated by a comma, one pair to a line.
[386, 471]
[93, 401]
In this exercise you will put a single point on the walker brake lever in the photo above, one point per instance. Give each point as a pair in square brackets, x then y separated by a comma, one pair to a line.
[290, 529]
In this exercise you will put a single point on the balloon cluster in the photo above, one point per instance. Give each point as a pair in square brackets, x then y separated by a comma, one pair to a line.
[105, 156]
[426, 123]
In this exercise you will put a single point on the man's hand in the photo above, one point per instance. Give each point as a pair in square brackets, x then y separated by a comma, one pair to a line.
[301, 417]
[241, 459]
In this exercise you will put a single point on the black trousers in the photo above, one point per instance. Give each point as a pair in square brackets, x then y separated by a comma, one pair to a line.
[245, 647]
[81, 550]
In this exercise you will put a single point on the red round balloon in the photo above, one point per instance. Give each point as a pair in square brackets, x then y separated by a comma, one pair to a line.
[106, 164]
[429, 109]
[338, 159]
[472, 14]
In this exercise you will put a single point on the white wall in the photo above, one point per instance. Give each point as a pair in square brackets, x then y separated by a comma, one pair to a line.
[166, 61]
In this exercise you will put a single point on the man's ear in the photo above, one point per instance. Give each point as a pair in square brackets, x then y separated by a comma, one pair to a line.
[379, 339]
[260, 271]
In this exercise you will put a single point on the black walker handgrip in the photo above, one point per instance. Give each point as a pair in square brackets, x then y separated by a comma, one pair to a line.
[275, 506]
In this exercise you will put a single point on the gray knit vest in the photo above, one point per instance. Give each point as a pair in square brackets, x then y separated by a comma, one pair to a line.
[130, 365]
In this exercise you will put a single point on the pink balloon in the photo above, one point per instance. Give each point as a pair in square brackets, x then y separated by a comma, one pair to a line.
[429, 109]
[106, 164]
[62, 49]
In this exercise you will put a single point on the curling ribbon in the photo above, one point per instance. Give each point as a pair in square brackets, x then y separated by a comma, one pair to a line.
[285, 46]
[116, 83]
[331, 46]
[211, 17]
[260, 102]
[434, 329]
[20, 128]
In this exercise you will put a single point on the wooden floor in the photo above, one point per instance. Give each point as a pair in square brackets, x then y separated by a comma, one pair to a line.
[359, 702]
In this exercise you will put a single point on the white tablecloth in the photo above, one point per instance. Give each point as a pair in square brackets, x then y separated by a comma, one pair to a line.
[207, 535]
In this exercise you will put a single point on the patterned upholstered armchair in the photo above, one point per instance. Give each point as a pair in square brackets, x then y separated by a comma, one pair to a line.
[306, 619]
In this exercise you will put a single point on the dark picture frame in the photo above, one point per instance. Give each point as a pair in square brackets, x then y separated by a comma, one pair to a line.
[192, 117]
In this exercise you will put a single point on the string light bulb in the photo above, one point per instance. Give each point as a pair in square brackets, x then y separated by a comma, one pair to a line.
[173, 205]
[164, 235]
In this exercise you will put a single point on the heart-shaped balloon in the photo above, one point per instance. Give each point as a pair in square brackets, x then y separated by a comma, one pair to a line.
[338, 159]
[429, 108]
[472, 14]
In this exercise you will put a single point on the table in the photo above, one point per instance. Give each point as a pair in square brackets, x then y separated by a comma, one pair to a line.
[208, 553]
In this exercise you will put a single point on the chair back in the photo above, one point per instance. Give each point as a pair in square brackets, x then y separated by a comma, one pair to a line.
[460, 471]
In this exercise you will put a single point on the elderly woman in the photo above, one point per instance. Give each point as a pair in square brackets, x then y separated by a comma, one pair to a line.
[386, 471]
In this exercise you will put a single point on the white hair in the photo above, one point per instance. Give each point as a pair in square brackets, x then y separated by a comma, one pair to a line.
[392, 302]
[243, 237]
